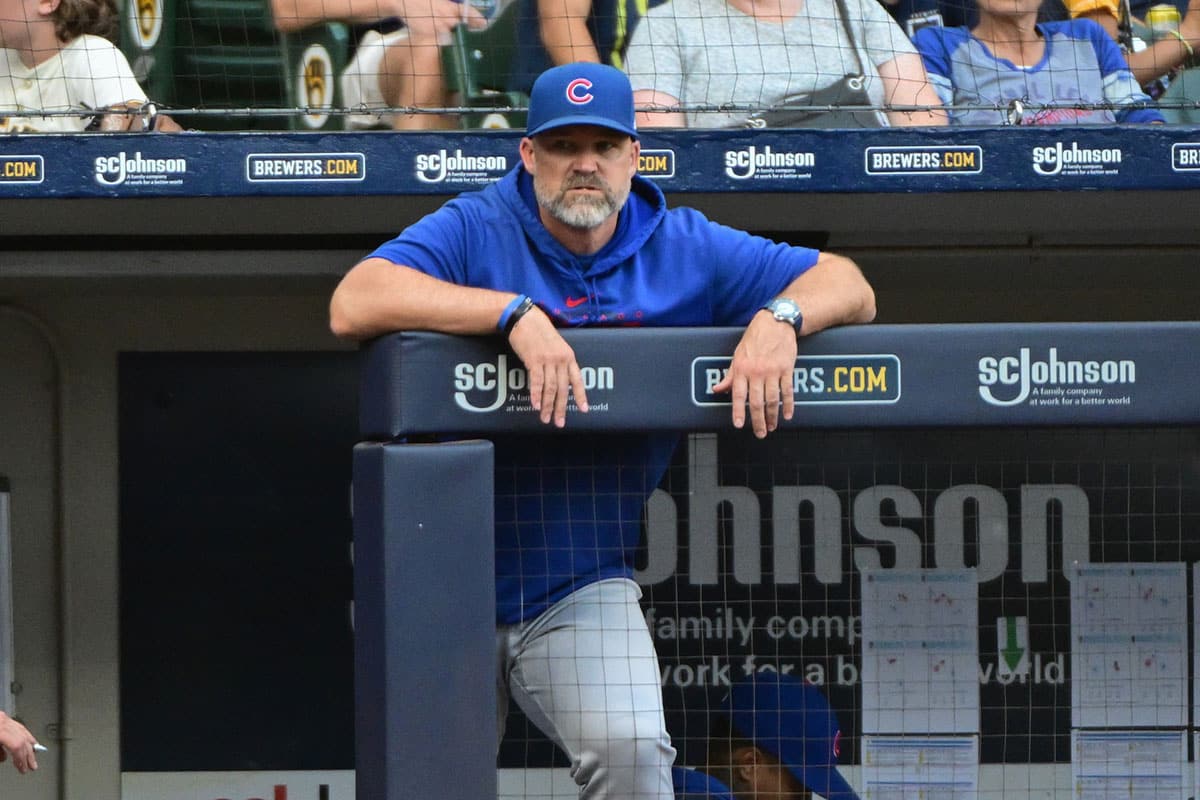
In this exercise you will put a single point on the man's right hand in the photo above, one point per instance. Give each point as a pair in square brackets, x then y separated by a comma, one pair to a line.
[551, 365]
[434, 20]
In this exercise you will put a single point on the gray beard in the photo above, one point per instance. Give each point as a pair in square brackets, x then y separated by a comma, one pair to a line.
[583, 213]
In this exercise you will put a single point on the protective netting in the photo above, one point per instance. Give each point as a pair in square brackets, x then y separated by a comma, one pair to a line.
[418, 64]
[985, 613]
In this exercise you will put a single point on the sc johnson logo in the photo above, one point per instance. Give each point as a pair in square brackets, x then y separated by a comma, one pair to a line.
[924, 160]
[445, 166]
[1185, 156]
[656, 164]
[305, 167]
[764, 163]
[815, 379]
[136, 170]
[1054, 381]
[22, 169]
[487, 386]
[1060, 159]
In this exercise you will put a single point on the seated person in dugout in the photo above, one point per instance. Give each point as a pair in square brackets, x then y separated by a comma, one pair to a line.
[776, 737]
[397, 69]
[1147, 60]
[58, 56]
[1011, 69]
[773, 63]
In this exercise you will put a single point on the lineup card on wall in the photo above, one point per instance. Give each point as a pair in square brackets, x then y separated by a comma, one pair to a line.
[907, 767]
[1129, 653]
[920, 646]
[1128, 765]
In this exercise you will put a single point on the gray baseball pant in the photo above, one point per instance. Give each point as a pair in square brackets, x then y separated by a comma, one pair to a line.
[586, 674]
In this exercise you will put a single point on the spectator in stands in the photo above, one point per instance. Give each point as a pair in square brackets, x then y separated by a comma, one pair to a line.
[746, 55]
[556, 32]
[398, 69]
[1010, 68]
[777, 737]
[58, 56]
[17, 741]
[1159, 57]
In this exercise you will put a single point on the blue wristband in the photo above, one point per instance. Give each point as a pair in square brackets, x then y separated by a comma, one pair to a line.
[502, 325]
[521, 310]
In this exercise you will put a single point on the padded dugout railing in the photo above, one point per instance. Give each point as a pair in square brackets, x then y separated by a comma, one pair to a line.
[424, 655]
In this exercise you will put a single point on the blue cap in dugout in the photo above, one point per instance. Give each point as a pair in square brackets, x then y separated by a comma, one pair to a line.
[581, 94]
[791, 719]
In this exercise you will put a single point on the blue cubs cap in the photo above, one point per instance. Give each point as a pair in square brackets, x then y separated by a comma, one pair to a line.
[581, 94]
[791, 719]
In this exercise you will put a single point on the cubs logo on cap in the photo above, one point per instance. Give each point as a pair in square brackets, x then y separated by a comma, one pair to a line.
[581, 94]
[577, 91]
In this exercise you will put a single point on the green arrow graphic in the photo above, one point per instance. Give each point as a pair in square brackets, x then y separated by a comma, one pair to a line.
[1012, 652]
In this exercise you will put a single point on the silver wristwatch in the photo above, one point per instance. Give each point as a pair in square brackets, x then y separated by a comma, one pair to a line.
[785, 309]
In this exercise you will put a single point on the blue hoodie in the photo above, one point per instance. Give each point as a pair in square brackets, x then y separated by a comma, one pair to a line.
[690, 784]
[568, 507]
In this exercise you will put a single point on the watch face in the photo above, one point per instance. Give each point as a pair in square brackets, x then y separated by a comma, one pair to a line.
[784, 310]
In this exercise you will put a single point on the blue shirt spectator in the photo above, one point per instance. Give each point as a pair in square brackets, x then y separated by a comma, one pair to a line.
[1072, 74]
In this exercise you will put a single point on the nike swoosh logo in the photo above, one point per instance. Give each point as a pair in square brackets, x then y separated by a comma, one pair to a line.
[576, 302]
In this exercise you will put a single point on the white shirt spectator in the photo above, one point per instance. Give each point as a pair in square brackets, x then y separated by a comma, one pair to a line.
[88, 73]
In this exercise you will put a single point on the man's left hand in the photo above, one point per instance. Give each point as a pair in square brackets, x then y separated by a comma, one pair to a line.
[16, 739]
[761, 374]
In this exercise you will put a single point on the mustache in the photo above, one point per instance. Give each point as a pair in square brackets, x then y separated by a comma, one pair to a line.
[585, 182]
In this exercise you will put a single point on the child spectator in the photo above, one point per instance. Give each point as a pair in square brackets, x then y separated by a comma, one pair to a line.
[1011, 69]
[58, 56]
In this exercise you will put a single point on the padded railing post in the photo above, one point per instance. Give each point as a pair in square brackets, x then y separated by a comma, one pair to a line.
[425, 621]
